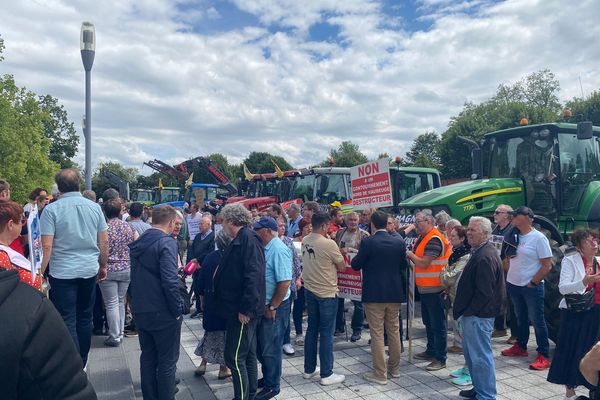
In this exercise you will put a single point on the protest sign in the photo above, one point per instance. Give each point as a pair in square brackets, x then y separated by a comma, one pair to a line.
[371, 186]
[35, 242]
[349, 280]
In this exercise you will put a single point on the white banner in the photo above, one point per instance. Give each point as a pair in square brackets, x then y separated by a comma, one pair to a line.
[35, 242]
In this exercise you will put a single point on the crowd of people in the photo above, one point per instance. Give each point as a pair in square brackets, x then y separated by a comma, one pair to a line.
[120, 271]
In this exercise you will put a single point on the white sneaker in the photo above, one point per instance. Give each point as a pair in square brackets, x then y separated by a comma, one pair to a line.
[332, 379]
[288, 349]
[300, 340]
[311, 375]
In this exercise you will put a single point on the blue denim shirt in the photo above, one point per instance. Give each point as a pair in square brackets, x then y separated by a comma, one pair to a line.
[75, 222]
[279, 267]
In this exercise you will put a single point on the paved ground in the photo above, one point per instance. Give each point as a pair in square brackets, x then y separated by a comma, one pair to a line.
[114, 372]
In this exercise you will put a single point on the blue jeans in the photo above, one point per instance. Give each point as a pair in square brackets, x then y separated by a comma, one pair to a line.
[159, 335]
[529, 306]
[358, 316]
[270, 339]
[297, 312]
[74, 300]
[434, 319]
[477, 346]
[321, 327]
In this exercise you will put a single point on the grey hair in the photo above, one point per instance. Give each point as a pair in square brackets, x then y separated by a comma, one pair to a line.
[350, 214]
[179, 214]
[427, 214]
[442, 218]
[294, 206]
[485, 225]
[208, 218]
[222, 240]
[452, 223]
[236, 214]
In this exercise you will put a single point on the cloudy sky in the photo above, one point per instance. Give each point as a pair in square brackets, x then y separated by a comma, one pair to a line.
[176, 79]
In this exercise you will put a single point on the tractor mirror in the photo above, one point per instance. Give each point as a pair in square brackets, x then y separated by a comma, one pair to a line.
[584, 130]
[476, 163]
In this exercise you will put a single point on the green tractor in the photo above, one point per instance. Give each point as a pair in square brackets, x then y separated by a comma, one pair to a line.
[552, 168]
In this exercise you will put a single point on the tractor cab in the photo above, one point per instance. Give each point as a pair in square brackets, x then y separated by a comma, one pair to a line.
[556, 163]
[167, 195]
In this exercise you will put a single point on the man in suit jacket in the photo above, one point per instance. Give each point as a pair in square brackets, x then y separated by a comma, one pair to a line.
[382, 258]
[203, 245]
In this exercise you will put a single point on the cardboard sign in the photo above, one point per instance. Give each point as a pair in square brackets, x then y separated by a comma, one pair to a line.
[350, 281]
[371, 186]
[35, 241]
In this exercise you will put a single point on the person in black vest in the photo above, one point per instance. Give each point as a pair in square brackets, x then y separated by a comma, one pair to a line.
[239, 283]
[382, 259]
[480, 297]
[203, 245]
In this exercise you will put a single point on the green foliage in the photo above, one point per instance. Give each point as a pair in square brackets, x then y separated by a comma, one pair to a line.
[24, 159]
[100, 184]
[260, 163]
[534, 97]
[424, 151]
[347, 155]
[586, 110]
[60, 131]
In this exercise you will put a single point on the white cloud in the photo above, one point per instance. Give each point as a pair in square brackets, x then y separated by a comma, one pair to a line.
[163, 90]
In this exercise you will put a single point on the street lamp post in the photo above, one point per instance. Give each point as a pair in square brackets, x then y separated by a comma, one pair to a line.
[88, 50]
[397, 160]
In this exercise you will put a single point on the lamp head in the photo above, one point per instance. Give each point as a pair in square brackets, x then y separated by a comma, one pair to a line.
[88, 36]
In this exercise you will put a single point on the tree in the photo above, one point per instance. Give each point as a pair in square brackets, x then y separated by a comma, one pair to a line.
[60, 131]
[262, 163]
[24, 159]
[424, 151]
[586, 110]
[347, 155]
[534, 97]
[100, 184]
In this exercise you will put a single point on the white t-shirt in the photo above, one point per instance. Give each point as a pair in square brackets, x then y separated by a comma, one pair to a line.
[193, 224]
[532, 247]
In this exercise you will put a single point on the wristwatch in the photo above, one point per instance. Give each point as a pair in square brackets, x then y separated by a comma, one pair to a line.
[271, 308]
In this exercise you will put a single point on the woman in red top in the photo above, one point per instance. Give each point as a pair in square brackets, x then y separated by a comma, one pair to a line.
[10, 229]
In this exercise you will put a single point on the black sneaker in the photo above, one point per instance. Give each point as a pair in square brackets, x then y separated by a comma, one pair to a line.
[266, 394]
[339, 331]
[469, 394]
[355, 336]
[424, 356]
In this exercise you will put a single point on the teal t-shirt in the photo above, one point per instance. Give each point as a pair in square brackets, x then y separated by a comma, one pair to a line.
[279, 267]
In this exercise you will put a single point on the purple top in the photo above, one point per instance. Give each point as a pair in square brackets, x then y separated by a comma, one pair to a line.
[120, 234]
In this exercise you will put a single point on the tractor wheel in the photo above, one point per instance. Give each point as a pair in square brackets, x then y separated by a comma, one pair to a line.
[552, 296]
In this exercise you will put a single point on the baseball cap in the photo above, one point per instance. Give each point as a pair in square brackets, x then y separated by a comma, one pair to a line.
[523, 211]
[336, 204]
[265, 222]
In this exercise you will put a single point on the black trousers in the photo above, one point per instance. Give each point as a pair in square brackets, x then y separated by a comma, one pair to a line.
[240, 357]
[159, 336]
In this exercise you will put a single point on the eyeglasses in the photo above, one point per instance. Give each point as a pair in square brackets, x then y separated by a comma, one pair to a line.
[591, 241]
[418, 221]
[500, 212]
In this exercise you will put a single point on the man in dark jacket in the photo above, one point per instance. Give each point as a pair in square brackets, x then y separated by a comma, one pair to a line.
[203, 245]
[156, 304]
[479, 299]
[239, 283]
[382, 259]
[37, 358]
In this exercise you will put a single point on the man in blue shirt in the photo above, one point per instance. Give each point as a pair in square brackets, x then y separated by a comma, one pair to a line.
[294, 216]
[75, 243]
[278, 276]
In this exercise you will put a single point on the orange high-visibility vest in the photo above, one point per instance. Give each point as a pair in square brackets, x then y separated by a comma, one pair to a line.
[430, 276]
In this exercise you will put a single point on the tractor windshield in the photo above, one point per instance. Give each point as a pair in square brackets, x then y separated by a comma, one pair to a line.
[579, 164]
[331, 187]
[530, 158]
[141, 196]
[302, 188]
[412, 184]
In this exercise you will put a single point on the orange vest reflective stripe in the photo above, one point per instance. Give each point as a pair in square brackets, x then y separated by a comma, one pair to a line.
[430, 276]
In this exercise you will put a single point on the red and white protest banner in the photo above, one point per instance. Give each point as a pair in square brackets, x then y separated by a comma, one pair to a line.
[349, 280]
[371, 186]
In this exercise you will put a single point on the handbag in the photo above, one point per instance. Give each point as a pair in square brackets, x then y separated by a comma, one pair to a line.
[581, 302]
